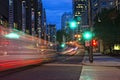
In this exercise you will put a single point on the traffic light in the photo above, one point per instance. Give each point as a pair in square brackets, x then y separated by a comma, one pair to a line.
[73, 24]
[87, 35]
[63, 45]
[94, 43]
[78, 18]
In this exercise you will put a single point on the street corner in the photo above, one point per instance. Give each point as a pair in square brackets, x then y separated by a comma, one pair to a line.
[101, 62]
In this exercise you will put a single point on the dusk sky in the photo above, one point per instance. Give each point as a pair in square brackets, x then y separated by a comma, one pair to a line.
[55, 9]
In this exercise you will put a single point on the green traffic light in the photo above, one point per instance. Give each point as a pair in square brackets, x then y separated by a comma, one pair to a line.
[73, 24]
[87, 35]
[78, 18]
[62, 45]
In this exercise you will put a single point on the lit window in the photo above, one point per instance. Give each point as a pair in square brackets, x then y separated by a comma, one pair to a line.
[104, 3]
[111, 3]
[78, 12]
[78, 22]
[95, 4]
[81, 6]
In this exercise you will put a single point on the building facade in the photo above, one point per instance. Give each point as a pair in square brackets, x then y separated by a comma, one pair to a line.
[4, 7]
[65, 19]
[26, 15]
[80, 12]
[51, 31]
[44, 25]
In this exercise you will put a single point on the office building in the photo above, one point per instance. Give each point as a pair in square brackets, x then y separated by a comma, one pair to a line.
[80, 12]
[65, 19]
[51, 31]
[4, 7]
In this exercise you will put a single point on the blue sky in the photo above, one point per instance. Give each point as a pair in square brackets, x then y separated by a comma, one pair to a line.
[55, 9]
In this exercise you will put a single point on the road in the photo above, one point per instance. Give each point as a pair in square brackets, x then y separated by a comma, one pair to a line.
[63, 68]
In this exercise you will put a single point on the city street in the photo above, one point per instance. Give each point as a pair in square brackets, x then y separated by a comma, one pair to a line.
[63, 68]
[59, 39]
[66, 67]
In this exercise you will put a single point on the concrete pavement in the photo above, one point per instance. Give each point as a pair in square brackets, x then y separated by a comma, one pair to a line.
[100, 73]
[101, 60]
[102, 68]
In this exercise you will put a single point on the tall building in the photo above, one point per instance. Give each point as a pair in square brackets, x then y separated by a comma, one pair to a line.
[80, 12]
[28, 16]
[4, 7]
[44, 26]
[23, 16]
[65, 19]
[51, 32]
[17, 14]
[11, 14]
[39, 22]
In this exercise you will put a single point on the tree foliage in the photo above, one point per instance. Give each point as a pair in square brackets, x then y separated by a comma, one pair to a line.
[107, 26]
[59, 36]
[65, 33]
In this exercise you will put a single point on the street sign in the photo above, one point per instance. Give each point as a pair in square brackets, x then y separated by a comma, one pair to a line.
[87, 43]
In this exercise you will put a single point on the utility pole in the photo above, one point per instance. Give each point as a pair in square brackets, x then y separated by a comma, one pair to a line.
[91, 29]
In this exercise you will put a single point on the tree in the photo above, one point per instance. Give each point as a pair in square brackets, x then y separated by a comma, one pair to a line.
[59, 36]
[107, 26]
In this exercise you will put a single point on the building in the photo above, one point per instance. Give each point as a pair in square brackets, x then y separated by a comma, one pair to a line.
[4, 7]
[65, 19]
[22, 14]
[80, 12]
[44, 25]
[35, 18]
[19, 14]
[40, 20]
[51, 31]
[108, 4]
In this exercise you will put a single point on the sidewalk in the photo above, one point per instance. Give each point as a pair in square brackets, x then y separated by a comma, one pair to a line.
[102, 68]
[101, 60]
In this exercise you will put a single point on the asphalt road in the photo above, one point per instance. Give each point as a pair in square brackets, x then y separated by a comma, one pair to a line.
[63, 68]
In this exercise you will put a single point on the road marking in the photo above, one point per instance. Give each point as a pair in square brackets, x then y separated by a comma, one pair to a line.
[55, 64]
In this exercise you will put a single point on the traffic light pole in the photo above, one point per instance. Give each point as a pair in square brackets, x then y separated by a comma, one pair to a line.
[91, 53]
[90, 25]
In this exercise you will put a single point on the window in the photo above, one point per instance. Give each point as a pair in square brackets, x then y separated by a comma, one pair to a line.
[111, 3]
[104, 3]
